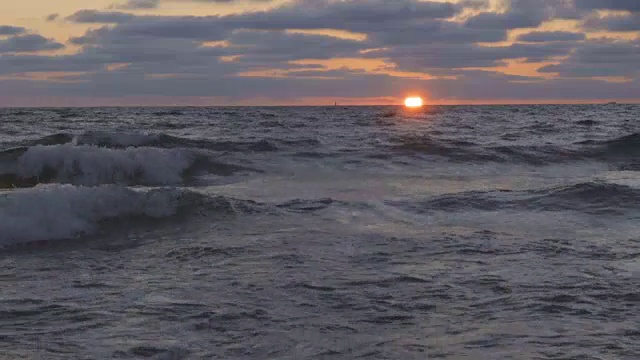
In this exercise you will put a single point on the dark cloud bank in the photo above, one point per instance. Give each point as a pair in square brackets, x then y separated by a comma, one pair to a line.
[165, 55]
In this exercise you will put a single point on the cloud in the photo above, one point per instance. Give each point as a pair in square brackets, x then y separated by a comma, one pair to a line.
[549, 36]
[523, 14]
[452, 56]
[511, 20]
[96, 16]
[17, 64]
[435, 31]
[628, 5]
[138, 4]
[267, 47]
[28, 43]
[228, 1]
[355, 15]
[469, 85]
[256, 50]
[627, 22]
[386, 22]
[154, 4]
[600, 59]
[211, 55]
[11, 30]
[496, 87]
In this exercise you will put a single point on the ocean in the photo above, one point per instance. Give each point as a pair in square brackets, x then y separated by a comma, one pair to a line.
[450, 232]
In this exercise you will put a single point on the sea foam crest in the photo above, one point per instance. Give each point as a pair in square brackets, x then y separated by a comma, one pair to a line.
[93, 165]
[54, 212]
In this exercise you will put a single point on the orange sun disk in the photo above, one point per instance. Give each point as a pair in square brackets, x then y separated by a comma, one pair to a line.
[413, 102]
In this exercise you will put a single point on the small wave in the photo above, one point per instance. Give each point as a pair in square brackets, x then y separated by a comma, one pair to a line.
[169, 141]
[62, 212]
[117, 140]
[388, 282]
[124, 140]
[623, 146]
[92, 165]
[55, 139]
[272, 124]
[300, 205]
[534, 155]
[430, 146]
[472, 200]
[168, 113]
[587, 122]
[591, 197]
[172, 353]
[464, 151]
[388, 114]
[100, 138]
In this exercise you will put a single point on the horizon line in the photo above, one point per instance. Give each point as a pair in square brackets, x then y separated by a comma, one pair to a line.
[633, 102]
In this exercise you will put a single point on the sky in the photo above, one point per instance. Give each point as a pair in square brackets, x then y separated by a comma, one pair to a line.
[316, 52]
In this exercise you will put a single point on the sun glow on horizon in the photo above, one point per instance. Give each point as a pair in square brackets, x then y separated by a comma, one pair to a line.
[413, 102]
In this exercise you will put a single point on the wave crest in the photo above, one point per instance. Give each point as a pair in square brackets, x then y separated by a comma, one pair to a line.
[92, 165]
[61, 212]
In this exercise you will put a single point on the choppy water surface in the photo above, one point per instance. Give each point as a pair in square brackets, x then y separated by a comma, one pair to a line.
[506, 232]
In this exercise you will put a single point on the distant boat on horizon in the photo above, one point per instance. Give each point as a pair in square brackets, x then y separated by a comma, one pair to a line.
[612, 103]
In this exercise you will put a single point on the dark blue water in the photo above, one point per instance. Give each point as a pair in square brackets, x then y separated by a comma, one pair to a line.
[489, 232]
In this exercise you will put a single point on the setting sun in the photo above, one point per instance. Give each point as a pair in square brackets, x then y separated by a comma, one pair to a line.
[413, 102]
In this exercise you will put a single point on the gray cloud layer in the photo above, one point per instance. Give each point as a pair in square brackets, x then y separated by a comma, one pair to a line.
[28, 43]
[11, 30]
[628, 5]
[165, 55]
[549, 36]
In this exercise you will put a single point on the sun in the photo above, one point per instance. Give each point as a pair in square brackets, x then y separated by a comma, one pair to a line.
[413, 102]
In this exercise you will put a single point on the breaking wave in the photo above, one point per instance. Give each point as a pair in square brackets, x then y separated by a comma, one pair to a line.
[62, 212]
[96, 165]
[53, 212]
[92, 165]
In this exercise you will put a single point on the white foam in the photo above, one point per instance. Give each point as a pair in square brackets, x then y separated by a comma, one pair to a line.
[93, 165]
[54, 212]
[625, 178]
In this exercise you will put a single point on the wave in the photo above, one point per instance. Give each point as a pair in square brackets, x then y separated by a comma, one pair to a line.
[118, 140]
[431, 146]
[54, 139]
[95, 165]
[587, 122]
[92, 165]
[462, 151]
[301, 205]
[621, 148]
[63, 212]
[597, 198]
[55, 212]
[589, 197]
[627, 145]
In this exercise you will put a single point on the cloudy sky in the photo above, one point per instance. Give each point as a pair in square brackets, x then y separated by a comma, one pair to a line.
[247, 52]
